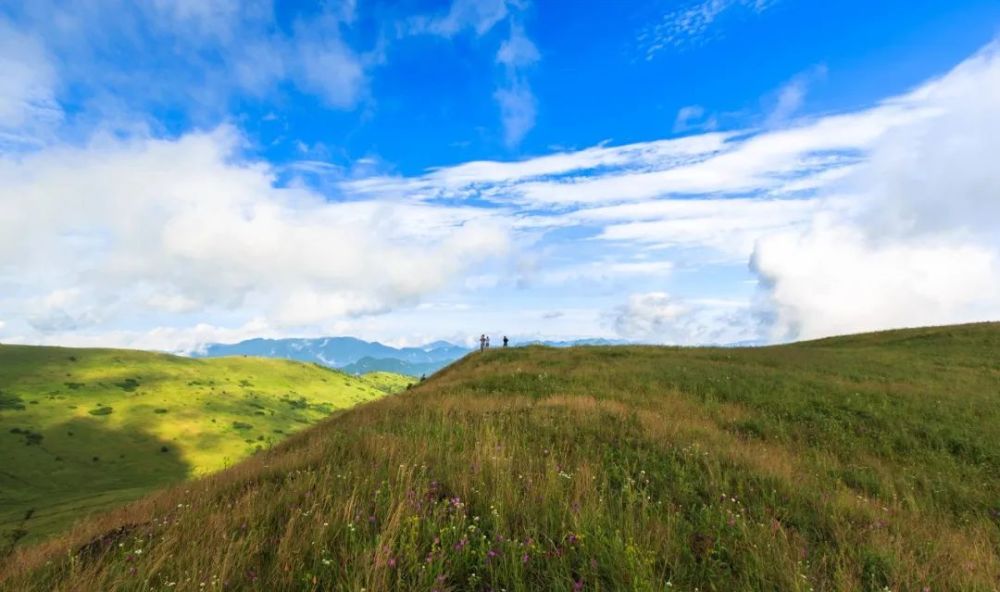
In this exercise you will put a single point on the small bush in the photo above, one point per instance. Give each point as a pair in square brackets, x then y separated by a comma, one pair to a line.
[101, 411]
[239, 425]
[164, 449]
[11, 402]
[129, 384]
[161, 410]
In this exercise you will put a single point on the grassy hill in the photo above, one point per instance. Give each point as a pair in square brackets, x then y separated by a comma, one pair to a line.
[85, 429]
[862, 463]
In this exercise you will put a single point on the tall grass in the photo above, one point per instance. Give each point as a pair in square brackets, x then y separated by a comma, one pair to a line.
[868, 463]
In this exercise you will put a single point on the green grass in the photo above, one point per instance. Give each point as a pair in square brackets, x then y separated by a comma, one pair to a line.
[83, 430]
[862, 463]
[388, 382]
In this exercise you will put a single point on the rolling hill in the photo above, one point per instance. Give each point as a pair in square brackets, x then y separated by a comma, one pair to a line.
[82, 430]
[866, 462]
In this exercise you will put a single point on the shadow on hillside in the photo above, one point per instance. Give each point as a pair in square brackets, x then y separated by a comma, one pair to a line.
[77, 468]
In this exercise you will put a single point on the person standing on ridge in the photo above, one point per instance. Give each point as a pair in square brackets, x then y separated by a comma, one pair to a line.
[505, 341]
[482, 342]
[487, 342]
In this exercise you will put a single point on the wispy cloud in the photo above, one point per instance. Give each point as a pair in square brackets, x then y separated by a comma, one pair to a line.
[204, 54]
[694, 118]
[28, 84]
[517, 102]
[516, 54]
[693, 24]
[478, 15]
[792, 95]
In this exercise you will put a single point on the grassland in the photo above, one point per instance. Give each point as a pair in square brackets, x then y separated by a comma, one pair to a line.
[82, 430]
[863, 463]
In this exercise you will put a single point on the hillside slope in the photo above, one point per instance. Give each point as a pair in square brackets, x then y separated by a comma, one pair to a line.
[865, 463]
[83, 429]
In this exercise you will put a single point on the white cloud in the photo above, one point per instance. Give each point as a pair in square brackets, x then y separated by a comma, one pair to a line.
[657, 317]
[517, 51]
[517, 111]
[832, 280]
[692, 24]
[330, 69]
[790, 97]
[27, 88]
[478, 15]
[517, 102]
[693, 117]
[700, 222]
[195, 55]
[921, 243]
[606, 271]
[109, 231]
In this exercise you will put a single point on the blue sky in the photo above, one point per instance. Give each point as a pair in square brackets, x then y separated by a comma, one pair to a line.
[705, 171]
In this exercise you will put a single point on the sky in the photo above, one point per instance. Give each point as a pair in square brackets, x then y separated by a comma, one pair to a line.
[175, 173]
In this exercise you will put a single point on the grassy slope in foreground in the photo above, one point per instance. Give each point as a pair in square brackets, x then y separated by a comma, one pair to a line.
[83, 429]
[864, 463]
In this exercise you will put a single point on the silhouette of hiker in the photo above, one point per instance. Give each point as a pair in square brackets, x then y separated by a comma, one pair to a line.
[505, 341]
[482, 342]
[487, 342]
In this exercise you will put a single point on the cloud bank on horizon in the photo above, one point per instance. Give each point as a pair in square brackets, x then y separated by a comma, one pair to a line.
[165, 202]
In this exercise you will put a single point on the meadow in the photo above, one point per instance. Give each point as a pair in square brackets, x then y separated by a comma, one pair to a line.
[867, 462]
[82, 430]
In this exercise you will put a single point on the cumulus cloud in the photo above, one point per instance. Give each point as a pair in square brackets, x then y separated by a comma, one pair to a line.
[919, 244]
[118, 227]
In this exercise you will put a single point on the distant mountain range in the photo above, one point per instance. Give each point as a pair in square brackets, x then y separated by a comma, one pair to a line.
[356, 356]
[349, 354]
